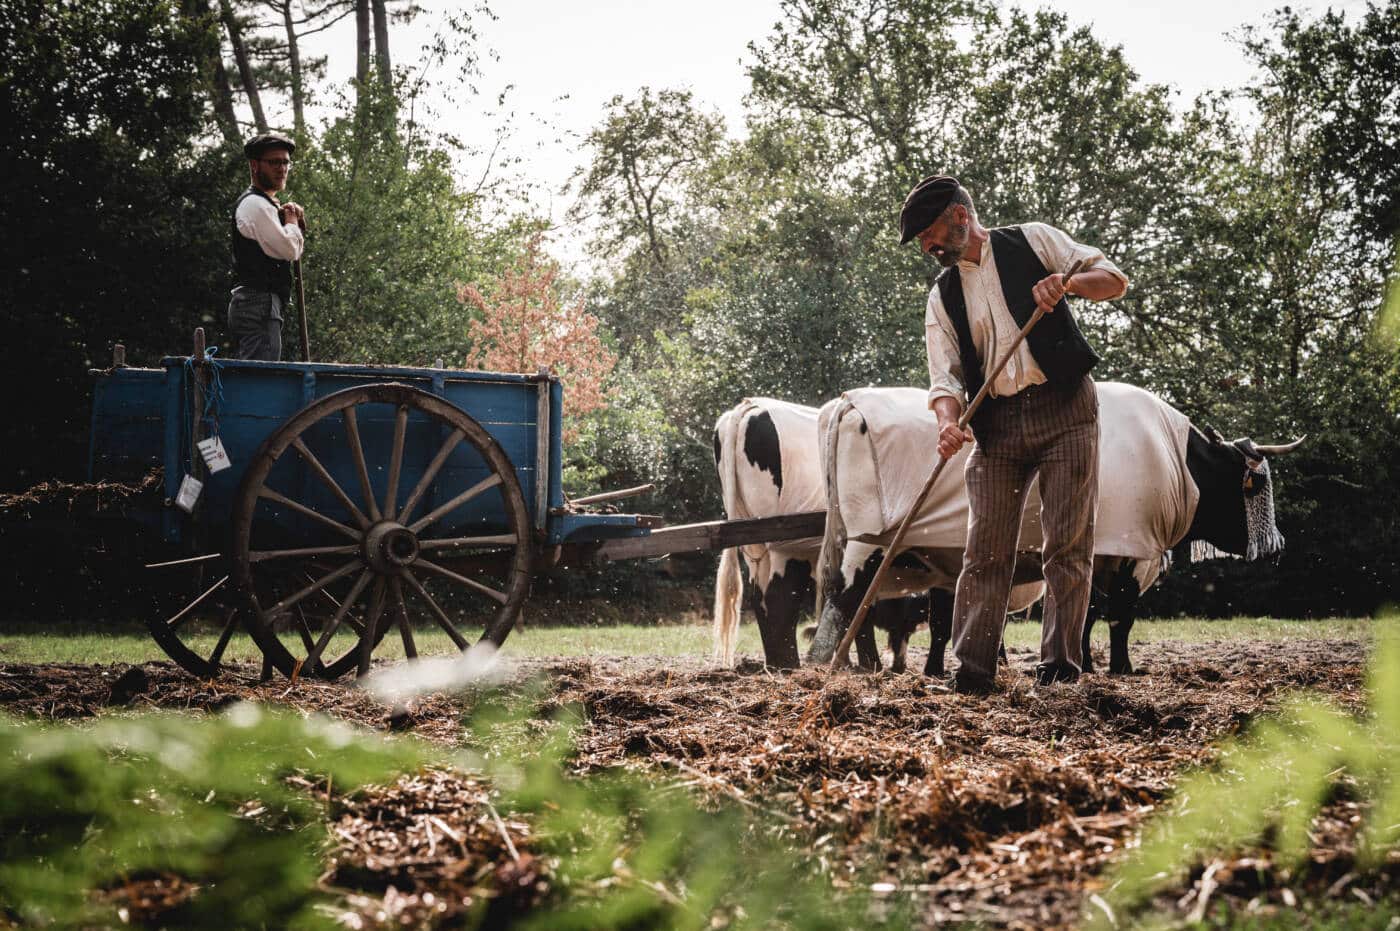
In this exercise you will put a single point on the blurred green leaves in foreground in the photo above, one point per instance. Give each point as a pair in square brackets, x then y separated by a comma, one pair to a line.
[1266, 788]
[86, 808]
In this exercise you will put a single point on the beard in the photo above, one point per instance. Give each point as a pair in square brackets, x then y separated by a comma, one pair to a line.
[952, 253]
[268, 180]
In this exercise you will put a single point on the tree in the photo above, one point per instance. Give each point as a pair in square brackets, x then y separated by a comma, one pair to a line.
[116, 217]
[525, 326]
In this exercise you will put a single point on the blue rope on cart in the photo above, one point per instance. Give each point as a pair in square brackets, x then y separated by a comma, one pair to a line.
[214, 396]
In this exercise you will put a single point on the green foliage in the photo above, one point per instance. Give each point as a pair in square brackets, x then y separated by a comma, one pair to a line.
[1267, 788]
[634, 855]
[115, 227]
[392, 234]
[205, 799]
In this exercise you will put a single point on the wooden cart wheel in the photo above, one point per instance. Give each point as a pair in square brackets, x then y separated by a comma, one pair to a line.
[178, 634]
[384, 554]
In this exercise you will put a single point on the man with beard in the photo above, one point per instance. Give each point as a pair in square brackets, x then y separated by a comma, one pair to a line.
[1040, 416]
[267, 238]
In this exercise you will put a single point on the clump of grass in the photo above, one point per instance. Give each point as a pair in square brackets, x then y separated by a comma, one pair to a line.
[162, 794]
[1267, 788]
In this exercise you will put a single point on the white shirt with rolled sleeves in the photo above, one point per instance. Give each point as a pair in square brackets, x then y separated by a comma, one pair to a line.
[257, 220]
[993, 327]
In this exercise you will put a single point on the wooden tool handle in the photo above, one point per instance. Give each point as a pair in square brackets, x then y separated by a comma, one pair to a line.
[842, 656]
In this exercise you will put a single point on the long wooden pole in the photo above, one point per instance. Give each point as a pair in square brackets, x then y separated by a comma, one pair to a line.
[301, 300]
[842, 657]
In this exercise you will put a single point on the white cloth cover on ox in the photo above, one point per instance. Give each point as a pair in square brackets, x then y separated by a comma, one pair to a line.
[752, 492]
[879, 447]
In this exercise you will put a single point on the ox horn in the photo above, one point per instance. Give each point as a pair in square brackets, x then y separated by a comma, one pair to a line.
[1281, 448]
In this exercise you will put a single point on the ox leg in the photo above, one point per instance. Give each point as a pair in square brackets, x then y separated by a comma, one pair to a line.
[776, 608]
[1087, 663]
[840, 607]
[867, 651]
[940, 630]
[899, 621]
[1120, 624]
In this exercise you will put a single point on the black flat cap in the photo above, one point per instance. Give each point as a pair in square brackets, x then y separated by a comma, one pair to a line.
[925, 204]
[255, 147]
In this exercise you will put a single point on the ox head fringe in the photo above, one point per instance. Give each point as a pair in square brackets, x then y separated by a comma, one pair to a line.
[1262, 537]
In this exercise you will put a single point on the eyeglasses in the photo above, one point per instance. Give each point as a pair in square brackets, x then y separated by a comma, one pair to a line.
[286, 162]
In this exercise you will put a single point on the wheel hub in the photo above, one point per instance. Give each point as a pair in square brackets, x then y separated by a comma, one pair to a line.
[389, 546]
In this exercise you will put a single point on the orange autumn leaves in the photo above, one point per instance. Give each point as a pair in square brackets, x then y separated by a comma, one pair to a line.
[525, 326]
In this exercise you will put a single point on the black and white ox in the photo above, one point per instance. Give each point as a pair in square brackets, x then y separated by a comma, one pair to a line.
[1164, 485]
[769, 463]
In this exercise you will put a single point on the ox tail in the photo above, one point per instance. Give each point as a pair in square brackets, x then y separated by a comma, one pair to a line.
[729, 589]
[729, 584]
[833, 537]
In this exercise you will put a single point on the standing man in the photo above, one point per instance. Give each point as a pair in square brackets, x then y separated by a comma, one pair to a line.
[267, 238]
[1041, 415]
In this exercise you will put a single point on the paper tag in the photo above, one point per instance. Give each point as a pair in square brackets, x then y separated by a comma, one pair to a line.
[215, 456]
[190, 487]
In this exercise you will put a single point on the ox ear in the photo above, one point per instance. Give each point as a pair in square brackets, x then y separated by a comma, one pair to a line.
[1214, 436]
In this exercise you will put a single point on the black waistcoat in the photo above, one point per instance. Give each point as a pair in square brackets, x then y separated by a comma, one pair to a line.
[252, 267]
[1056, 343]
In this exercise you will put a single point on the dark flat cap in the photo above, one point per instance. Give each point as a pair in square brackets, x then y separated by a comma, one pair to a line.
[255, 147]
[925, 204]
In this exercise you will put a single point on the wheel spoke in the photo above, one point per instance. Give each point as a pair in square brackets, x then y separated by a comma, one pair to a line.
[224, 636]
[300, 508]
[314, 656]
[443, 620]
[329, 481]
[369, 640]
[184, 612]
[316, 586]
[463, 580]
[430, 473]
[303, 628]
[357, 452]
[490, 481]
[261, 555]
[410, 649]
[391, 493]
[454, 542]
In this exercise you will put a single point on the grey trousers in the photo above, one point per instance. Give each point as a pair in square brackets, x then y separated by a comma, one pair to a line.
[255, 321]
[1054, 433]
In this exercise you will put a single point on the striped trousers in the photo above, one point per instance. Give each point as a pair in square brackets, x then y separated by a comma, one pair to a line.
[1055, 433]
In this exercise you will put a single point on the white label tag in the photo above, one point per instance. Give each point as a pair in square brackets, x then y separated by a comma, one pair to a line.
[215, 456]
[190, 487]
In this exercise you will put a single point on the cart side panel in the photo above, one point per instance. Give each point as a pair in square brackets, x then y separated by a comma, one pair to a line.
[127, 425]
[254, 400]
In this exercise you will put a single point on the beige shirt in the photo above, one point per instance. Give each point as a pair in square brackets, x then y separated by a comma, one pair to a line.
[993, 327]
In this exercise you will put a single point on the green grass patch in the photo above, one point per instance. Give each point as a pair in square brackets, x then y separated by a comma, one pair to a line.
[31, 642]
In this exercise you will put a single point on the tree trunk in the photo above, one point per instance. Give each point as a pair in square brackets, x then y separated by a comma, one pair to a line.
[211, 65]
[245, 67]
[381, 45]
[294, 66]
[361, 46]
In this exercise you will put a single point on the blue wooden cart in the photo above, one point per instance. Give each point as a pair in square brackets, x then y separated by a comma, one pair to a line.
[367, 497]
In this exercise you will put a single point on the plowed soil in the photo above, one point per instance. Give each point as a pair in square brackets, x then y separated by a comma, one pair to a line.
[1003, 810]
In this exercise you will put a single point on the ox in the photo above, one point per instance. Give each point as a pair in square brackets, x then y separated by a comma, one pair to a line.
[1163, 484]
[769, 464]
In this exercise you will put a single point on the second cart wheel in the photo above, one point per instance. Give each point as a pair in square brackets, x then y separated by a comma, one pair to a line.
[384, 556]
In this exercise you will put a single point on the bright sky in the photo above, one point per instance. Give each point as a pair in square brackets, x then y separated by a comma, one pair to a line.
[565, 60]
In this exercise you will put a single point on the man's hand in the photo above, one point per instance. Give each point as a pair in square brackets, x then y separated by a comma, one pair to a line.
[951, 437]
[1048, 291]
[292, 213]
